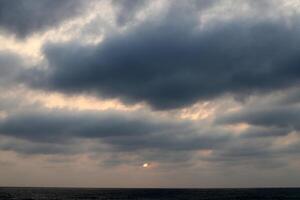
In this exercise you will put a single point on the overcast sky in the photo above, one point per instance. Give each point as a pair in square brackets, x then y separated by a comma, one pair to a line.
[206, 92]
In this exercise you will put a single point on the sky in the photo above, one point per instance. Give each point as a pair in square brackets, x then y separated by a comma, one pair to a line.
[140, 93]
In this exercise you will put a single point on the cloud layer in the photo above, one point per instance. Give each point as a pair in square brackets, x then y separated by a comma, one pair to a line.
[205, 91]
[172, 63]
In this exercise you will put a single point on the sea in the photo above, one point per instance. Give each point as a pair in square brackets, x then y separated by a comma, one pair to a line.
[21, 193]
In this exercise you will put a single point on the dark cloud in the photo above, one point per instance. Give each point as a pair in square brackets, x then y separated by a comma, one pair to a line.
[23, 18]
[250, 152]
[126, 132]
[28, 148]
[168, 63]
[255, 131]
[51, 125]
[279, 117]
[173, 63]
[131, 138]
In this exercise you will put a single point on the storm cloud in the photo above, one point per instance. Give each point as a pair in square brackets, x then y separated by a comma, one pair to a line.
[23, 18]
[173, 63]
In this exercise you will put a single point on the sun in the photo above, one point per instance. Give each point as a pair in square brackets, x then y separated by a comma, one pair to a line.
[145, 165]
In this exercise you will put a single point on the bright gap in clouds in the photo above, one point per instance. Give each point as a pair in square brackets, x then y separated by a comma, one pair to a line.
[146, 165]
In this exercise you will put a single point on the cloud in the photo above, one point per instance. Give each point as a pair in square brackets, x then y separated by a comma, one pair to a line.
[127, 9]
[259, 131]
[239, 59]
[25, 147]
[123, 131]
[11, 66]
[23, 18]
[273, 116]
[119, 137]
[172, 63]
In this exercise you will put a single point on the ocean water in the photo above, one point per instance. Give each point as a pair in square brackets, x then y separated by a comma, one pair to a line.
[148, 194]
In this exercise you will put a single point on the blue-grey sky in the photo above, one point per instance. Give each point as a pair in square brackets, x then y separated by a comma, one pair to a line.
[139, 93]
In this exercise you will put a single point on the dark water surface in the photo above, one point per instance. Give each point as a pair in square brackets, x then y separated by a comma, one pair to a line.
[148, 194]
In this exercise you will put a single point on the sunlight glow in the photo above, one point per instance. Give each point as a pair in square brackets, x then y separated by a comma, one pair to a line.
[146, 165]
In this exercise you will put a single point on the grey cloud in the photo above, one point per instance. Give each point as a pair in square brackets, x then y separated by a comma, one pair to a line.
[171, 63]
[125, 132]
[270, 120]
[250, 152]
[180, 141]
[272, 116]
[293, 149]
[258, 131]
[168, 64]
[26, 148]
[50, 125]
[290, 97]
[23, 18]
[177, 158]
[116, 135]
[127, 9]
[11, 66]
